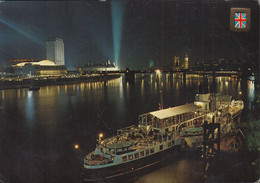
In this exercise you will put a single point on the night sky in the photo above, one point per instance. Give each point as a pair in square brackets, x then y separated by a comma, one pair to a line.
[155, 30]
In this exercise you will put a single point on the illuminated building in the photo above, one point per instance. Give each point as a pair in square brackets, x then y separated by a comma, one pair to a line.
[91, 67]
[55, 51]
[176, 65]
[22, 60]
[186, 62]
[176, 61]
[43, 67]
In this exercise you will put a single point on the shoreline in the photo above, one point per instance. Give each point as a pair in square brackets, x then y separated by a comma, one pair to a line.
[40, 82]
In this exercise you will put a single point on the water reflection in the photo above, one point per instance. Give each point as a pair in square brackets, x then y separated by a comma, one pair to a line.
[59, 116]
[30, 108]
[180, 171]
[251, 92]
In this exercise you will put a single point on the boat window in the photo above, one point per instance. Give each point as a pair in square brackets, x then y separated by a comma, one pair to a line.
[147, 152]
[142, 154]
[152, 150]
[137, 155]
[161, 147]
[124, 158]
[130, 157]
[169, 144]
[173, 143]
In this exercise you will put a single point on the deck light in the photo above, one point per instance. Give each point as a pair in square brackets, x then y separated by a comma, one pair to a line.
[76, 146]
[100, 136]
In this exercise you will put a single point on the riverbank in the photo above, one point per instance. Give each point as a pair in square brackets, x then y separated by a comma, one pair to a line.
[15, 83]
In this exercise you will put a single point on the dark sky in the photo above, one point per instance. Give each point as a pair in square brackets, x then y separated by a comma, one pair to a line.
[155, 30]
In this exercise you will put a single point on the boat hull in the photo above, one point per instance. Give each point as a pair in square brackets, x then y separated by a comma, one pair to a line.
[132, 167]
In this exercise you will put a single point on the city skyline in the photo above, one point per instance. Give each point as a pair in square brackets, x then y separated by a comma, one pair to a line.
[150, 30]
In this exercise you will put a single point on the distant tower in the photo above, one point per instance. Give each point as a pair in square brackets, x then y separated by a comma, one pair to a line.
[186, 62]
[176, 61]
[55, 50]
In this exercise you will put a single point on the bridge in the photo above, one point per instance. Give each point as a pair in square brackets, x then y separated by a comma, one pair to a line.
[130, 74]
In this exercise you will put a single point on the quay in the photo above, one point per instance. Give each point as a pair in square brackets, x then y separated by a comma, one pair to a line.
[17, 82]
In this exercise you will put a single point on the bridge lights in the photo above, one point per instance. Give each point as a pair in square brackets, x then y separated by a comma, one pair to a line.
[158, 71]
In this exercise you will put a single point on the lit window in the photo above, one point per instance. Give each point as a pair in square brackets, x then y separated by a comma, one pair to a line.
[142, 154]
[130, 157]
[124, 158]
[147, 152]
[137, 155]
[169, 144]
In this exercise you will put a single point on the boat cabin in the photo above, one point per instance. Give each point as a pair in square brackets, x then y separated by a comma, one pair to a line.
[172, 119]
[211, 101]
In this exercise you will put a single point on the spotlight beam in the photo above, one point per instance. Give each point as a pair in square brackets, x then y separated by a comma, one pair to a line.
[117, 11]
[18, 29]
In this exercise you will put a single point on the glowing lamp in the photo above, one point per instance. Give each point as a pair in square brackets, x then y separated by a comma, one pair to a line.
[100, 137]
[76, 146]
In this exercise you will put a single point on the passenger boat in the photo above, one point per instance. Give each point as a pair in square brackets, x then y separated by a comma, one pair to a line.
[225, 112]
[138, 147]
[158, 136]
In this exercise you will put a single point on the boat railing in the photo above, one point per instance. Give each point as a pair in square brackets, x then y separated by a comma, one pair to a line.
[126, 129]
[94, 160]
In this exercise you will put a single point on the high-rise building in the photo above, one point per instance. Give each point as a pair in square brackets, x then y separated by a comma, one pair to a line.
[186, 62]
[55, 50]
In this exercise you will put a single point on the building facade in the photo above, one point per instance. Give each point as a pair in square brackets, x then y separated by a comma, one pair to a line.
[103, 67]
[55, 51]
[40, 68]
[176, 61]
[186, 62]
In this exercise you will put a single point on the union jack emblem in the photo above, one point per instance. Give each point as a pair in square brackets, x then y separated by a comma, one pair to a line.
[240, 20]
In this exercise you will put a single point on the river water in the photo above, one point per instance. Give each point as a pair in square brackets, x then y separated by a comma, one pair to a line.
[39, 129]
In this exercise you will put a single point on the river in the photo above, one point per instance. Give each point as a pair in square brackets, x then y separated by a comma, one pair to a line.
[39, 129]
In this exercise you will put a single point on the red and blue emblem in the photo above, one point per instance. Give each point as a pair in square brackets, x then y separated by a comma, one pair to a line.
[240, 20]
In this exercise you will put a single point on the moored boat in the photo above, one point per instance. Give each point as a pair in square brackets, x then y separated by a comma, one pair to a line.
[134, 148]
[159, 136]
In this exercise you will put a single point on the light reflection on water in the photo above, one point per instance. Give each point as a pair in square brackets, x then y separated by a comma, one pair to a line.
[58, 116]
[30, 107]
[180, 171]
[251, 92]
